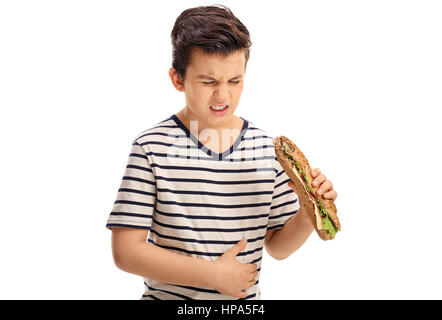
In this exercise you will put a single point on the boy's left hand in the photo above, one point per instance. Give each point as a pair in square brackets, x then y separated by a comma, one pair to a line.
[325, 186]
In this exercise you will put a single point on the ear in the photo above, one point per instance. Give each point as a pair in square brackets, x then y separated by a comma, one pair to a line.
[176, 80]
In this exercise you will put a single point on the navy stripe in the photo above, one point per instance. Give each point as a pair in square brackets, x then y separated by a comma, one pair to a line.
[186, 216]
[280, 184]
[135, 203]
[162, 134]
[284, 204]
[276, 226]
[130, 214]
[204, 241]
[194, 147]
[214, 181]
[189, 146]
[137, 191]
[256, 260]
[198, 289]
[219, 206]
[138, 179]
[258, 137]
[212, 170]
[200, 253]
[282, 194]
[278, 174]
[132, 166]
[177, 156]
[248, 297]
[209, 229]
[138, 155]
[219, 194]
[265, 146]
[284, 214]
[169, 292]
[110, 225]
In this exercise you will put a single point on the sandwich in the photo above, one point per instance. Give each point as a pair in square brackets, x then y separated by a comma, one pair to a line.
[322, 212]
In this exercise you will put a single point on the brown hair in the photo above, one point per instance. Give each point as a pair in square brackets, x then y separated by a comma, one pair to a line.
[214, 29]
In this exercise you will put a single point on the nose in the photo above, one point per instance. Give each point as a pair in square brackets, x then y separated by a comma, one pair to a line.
[221, 93]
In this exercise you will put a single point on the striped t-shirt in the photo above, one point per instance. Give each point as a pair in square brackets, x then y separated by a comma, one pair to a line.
[199, 203]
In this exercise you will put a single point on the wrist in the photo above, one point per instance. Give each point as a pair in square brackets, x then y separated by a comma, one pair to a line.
[210, 274]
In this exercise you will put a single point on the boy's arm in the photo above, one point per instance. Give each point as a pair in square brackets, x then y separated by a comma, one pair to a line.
[282, 242]
[133, 254]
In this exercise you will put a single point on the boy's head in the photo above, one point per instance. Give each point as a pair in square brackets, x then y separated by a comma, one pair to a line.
[209, 41]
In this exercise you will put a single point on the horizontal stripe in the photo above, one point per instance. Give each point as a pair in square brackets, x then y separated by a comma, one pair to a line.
[137, 155]
[279, 173]
[256, 260]
[220, 242]
[187, 216]
[236, 171]
[168, 292]
[162, 134]
[137, 191]
[197, 289]
[275, 226]
[135, 203]
[121, 225]
[282, 194]
[211, 205]
[281, 183]
[130, 214]
[283, 215]
[209, 229]
[138, 179]
[248, 297]
[214, 181]
[258, 137]
[200, 253]
[177, 156]
[217, 194]
[132, 166]
[284, 204]
[192, 146]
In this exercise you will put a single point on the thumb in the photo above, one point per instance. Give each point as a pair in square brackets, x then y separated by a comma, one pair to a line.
[237, 248]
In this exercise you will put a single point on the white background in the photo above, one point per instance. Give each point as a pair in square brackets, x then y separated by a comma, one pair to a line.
[356, 84]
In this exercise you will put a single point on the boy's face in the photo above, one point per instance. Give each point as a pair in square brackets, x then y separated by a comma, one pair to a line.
[212, 80]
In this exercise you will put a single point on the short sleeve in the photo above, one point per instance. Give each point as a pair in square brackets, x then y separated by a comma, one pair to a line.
[285, 202]
[136, 197]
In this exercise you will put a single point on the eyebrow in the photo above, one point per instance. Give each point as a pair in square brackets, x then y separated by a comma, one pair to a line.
[202, 76]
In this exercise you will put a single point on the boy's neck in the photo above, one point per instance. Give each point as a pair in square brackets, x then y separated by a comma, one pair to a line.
[232, 130]
[186, 117]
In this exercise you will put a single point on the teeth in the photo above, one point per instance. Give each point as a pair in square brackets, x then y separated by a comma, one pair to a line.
[218, 108]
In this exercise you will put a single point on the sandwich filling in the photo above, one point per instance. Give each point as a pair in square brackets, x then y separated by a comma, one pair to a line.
[322, 218]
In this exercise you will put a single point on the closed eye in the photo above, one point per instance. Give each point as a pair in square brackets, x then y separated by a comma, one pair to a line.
[212, 82]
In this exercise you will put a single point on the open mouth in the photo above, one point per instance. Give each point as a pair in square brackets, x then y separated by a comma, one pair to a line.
[219, 110]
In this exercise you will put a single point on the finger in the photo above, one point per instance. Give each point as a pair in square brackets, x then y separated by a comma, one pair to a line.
[252, 268]
[237, 248]
[326, 186]
[315, 172]
[254, 276]
[250, 284]
[330, 195]
[318, 180]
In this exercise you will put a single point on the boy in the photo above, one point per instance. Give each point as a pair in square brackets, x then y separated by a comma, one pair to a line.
[203, 192]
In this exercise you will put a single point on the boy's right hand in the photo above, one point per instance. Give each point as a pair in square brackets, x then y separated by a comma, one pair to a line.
[231, 276]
